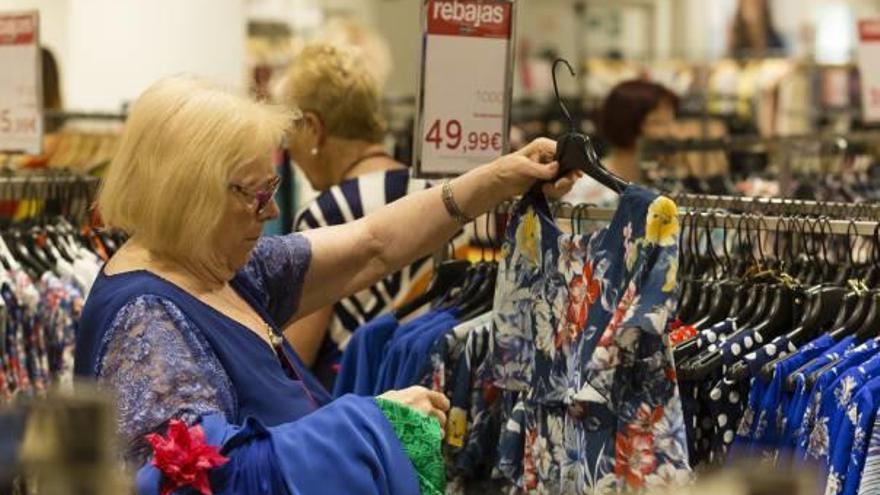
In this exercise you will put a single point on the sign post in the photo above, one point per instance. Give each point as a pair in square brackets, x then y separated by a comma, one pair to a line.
[465, 86]
[869, 68]
[21, 93]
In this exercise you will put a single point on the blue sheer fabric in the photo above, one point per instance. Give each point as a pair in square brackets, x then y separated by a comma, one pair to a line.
[165, 354]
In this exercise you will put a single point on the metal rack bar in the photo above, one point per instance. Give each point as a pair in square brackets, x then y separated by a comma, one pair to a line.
[732, 220]
[780, 206]
[59, 116]
[653, 147]
[47, 186]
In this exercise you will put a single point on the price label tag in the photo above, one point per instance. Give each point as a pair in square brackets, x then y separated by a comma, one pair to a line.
[21, 117]
[869, 68]
[465, 87]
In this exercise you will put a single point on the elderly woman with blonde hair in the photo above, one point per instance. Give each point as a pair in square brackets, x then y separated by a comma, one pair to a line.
[182, 325]
[339, 146]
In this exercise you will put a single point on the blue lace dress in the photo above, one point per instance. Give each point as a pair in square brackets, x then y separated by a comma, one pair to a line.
[166, 355]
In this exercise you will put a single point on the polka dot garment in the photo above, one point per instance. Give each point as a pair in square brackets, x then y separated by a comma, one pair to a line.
[728, 399]
[702, 424]
[699, 432]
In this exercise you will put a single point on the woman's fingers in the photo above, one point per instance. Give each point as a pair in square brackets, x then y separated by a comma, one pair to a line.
[546, 171]
[428, 408]
[561, 187]
[540, 150]
[438, 400]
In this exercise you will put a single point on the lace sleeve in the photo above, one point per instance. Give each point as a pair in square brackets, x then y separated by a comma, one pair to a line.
[420, 436]
[277, 270]
[159, 367]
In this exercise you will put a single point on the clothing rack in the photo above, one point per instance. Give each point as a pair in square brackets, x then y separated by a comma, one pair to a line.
[712, 219]
[780, 206]
[48, 186]
[749, 143]
[62, 116]
[769, 214]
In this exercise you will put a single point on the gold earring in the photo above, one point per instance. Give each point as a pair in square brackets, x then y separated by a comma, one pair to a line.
[314, 151]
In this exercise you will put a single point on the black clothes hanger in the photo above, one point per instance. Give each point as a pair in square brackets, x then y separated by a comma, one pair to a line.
[864, 308]
[775, 313]
[479, 297]
[448, 275]
[720, 292]
[849, 320]
[30, 263]
[689, 299]
[824, 308]
[47, 227]
[821, 306]
[781, 317]
[575, 151]
[760, 295]
[868, 330]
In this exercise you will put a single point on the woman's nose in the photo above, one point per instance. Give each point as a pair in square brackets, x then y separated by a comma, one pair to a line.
[271, 211]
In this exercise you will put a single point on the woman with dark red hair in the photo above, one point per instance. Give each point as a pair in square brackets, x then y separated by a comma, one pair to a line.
[633, 110]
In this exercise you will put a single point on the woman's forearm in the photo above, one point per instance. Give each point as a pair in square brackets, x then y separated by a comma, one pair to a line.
[420, 223]
[351, 257]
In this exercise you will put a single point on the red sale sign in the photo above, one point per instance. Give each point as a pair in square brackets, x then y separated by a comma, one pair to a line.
[465, 85]
[18, 29]
[21, 117]
[869, 68]
[457, 18]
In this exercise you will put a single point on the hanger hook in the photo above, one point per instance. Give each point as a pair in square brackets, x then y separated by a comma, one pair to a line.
[559, 101]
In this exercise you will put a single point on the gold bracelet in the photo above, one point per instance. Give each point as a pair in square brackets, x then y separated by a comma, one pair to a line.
[451, 206]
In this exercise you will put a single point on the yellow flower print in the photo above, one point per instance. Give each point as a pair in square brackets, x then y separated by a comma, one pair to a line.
[528, 237]
[671, 277]
[456, 427]
[662, 224]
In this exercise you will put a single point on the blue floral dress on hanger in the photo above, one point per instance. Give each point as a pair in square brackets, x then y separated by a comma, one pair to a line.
[580, 331]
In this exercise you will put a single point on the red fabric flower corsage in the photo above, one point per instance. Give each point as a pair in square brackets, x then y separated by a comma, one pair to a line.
[184, 458]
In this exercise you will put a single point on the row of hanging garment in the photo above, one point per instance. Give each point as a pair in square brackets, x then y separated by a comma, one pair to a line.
[47, 266]
[821, 167]
[780, 355]
[84, 145]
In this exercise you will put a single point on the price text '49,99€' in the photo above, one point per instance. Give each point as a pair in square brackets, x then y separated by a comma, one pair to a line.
[451, 135]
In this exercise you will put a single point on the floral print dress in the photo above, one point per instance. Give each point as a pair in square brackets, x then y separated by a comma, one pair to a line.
[581, 333]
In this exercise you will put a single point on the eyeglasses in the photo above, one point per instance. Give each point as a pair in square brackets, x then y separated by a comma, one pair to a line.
[258, 201]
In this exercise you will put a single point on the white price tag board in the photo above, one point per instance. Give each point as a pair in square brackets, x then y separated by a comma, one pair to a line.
[869, 68]
[21, 116]
[465, 89]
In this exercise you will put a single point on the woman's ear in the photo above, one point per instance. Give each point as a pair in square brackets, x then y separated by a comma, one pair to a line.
[314, 126]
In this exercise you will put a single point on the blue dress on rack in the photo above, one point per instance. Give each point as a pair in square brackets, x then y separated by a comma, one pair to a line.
[166, 354]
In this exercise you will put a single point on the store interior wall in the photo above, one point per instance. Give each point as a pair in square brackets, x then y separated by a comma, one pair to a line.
[111, 50]
[120, 46]
[541, 25]
[824, 28]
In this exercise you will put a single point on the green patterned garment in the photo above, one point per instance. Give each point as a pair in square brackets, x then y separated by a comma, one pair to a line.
[421, 437]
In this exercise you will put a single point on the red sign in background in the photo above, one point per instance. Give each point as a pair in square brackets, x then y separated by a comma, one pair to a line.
[869, 30]
[17, 29]
[478, 18]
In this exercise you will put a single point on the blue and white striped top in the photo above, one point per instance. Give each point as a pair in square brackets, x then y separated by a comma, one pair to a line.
[346, 202]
